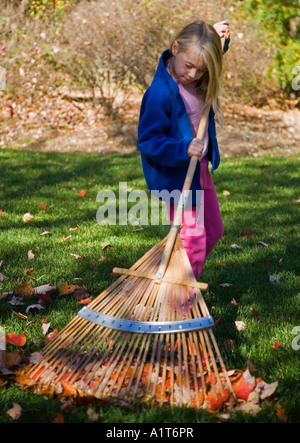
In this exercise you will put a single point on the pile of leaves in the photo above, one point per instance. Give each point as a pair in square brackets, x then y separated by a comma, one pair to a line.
[249, 391]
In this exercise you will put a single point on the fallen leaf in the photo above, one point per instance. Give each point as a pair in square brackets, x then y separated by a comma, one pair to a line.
[253, 312]
[222, 265]
[92, 415]
[106, 245]
[249, 408]
[17, 340]
[27, 273]
[274, 279]
[15, 412]
[3, 277]
[240, 325]
[27, 217]
[35, 357]
[225, 192]
[263, 243]
[281, 413]
[244, 385]
[45, 297]
[45, 327]
[68, 389]
[16, 301]
[235, 246]
[12, 359]
[35, 306]
[78, 257]
[67, 289]
[25, 290]
[248, 233]
[45, 233]
[73, 229]
[44, 289]
[66, 238]
[52, 334]
[5, 294]
[58, 419]
[276, 345]
[80, 293]
[229, 344]
[266, 264]
[251, 366]
[82, 193]
[234, 302]
[43, 206]
[22, 316]
[216, 399]
[86, 301]
[30, 254]
[266, 389]
[2, 212]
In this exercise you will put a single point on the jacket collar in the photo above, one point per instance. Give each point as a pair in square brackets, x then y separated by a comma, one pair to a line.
[162, 72]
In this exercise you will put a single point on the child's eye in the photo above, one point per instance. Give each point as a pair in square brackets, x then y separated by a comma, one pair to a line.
[188, 66]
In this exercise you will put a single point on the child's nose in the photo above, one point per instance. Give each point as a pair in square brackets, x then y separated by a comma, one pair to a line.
[193, 73]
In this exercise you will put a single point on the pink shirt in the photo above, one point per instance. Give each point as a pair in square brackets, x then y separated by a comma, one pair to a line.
[194, 107]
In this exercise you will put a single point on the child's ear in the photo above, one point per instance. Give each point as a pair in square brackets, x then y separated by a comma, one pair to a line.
[175, 48]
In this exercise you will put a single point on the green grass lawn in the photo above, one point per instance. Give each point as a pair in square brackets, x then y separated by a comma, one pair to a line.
[262, 198]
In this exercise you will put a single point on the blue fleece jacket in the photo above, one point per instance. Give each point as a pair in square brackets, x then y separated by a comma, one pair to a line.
[164, 133]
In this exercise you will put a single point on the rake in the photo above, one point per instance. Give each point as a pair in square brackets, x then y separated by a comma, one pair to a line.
[148, 336]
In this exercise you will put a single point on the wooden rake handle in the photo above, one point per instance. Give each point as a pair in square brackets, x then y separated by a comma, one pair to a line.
[184, 193]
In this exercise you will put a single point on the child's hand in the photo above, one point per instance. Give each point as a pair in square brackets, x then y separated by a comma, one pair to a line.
[195, 148]
[223, 29]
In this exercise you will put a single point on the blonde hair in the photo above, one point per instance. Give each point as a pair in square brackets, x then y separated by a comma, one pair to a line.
[205, 41]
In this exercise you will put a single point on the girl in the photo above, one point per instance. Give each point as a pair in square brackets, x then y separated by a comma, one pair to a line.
[187, 74]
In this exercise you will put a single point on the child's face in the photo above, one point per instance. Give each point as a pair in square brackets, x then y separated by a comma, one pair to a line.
[186, 66]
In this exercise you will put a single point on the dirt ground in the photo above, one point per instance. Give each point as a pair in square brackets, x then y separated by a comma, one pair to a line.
[63, 124]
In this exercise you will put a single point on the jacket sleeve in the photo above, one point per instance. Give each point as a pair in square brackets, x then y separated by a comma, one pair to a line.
[158, 135]
[226, 45]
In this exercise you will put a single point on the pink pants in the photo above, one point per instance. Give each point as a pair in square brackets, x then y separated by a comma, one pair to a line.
[198, 246]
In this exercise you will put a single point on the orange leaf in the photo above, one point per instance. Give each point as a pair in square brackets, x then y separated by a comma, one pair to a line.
[82, 193]
[66, 238]
[22, 316]
[244, 385]
[211, 378]
[23, 380]
[200, 398]
[43, 206]
[36, 376]
[248, 233]
[67, 289]
[52, 335]
[58, 419]
[281, 413]
[17, 340]
[25, 290]
[276, 345]
[86, 301]
[215, 399]
[68, 389]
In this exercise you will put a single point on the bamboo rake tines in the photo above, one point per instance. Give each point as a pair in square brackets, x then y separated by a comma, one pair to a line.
[174, 368]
